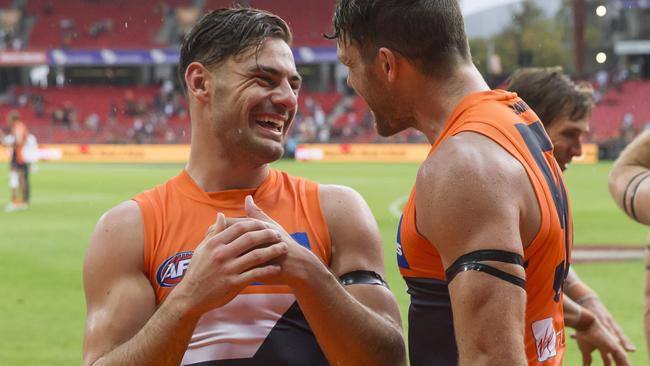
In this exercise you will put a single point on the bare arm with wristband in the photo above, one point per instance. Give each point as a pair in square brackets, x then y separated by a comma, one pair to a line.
[629, 185]
[471, 215]
[629, 182]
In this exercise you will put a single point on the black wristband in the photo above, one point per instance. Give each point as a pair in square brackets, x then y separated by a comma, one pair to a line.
[362, 278]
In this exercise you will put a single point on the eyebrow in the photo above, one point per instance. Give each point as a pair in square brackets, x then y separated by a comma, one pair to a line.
[275, 72]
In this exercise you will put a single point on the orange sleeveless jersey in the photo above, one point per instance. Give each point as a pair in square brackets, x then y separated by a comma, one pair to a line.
[20, 134]
[263, 323]
[507, 120]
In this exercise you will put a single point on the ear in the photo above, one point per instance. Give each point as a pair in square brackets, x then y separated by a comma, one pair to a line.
[198, 81]
[387, 60]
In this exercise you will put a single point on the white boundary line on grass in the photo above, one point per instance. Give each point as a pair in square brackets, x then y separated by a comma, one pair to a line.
[395, 208]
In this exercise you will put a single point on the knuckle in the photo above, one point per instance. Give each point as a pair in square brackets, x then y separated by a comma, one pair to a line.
[271, 233]
[258, 256]
[248, 236]
[219, 256]
[239, 225]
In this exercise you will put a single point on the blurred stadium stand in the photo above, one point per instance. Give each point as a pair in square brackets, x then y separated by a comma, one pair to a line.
[104, 71]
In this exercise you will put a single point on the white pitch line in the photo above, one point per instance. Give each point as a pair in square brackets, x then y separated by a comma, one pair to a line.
[395, 208]
[608, 254]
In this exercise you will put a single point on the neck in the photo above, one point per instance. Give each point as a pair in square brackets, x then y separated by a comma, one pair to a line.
[216, 170]
[437, 100]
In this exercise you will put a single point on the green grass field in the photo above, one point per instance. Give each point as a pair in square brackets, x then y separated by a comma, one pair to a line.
[42, 306]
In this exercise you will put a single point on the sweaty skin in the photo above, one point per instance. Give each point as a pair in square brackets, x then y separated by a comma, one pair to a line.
[630, 189]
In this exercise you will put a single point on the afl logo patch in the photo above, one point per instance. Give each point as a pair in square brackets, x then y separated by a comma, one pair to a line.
[172, 270]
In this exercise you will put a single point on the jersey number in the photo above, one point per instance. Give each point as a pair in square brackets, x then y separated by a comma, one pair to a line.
[538, 142]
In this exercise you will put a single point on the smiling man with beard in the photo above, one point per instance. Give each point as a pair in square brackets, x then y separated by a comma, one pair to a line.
[289, 273]
[484, 241]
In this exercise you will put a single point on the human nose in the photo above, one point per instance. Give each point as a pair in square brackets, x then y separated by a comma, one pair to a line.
[285, 95]
[576, 149]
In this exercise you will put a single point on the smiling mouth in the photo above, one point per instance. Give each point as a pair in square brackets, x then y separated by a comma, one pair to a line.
[271, 123]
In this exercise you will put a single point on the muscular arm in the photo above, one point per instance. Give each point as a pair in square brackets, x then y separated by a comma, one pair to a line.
[357, 324]
[124, 327]
[468, 198]
[629, 180]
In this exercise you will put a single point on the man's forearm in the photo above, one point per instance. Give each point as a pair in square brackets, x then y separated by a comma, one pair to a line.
[577, 290]
[349, 332]
[575, 316]
[161, 341]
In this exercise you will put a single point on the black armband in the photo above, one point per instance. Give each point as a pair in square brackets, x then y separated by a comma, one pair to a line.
[362, 278]
[632, 212]
[471, 262]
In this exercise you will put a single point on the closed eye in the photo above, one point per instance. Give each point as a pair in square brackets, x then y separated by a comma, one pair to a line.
[264, 80]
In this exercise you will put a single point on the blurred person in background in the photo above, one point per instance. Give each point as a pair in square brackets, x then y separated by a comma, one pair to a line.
[630, 187]
[564, 109]
[21, 144]
[291, 271]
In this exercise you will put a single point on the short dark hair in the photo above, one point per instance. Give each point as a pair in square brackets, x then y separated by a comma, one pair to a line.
[228, 32]
[551, 93]
[430, 33]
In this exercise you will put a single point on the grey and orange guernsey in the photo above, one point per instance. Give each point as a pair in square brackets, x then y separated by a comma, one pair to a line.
[507, 120]
[263, 325]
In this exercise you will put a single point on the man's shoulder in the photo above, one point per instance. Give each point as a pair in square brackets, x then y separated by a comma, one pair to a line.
[341, 203]
[124, 215]
[504, 109]
[470, 155]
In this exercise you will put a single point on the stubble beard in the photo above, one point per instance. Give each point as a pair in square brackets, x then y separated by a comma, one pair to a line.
[387, 126]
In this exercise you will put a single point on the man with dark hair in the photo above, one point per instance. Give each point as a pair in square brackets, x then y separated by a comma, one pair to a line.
[291, 271]
[565, 108]
[630, 187]
[17, 139]
[487, 228]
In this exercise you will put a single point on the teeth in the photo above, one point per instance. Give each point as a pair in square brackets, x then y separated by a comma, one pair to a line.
[278, 123]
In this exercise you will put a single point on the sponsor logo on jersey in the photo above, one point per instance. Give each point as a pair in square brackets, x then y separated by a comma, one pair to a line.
[172, 270]
[544, 339]
[401, 258]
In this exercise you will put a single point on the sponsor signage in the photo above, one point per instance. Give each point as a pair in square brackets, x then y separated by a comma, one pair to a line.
[362, 152]
[157, 56]
[20, 58]
[113, 57]
[83, 153]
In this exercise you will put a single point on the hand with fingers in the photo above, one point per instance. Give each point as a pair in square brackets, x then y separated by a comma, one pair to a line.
[595, 336]
[227, 260]
[593, 304]
[294, 266]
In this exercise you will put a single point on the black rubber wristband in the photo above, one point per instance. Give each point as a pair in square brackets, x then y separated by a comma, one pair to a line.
[362, 278]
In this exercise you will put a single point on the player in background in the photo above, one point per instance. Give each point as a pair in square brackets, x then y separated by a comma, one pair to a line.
[290, 273]
[17, 140]
[564, 108]
[630, 187]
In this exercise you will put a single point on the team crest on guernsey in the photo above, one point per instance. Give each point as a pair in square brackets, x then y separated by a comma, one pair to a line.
[172, 270]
